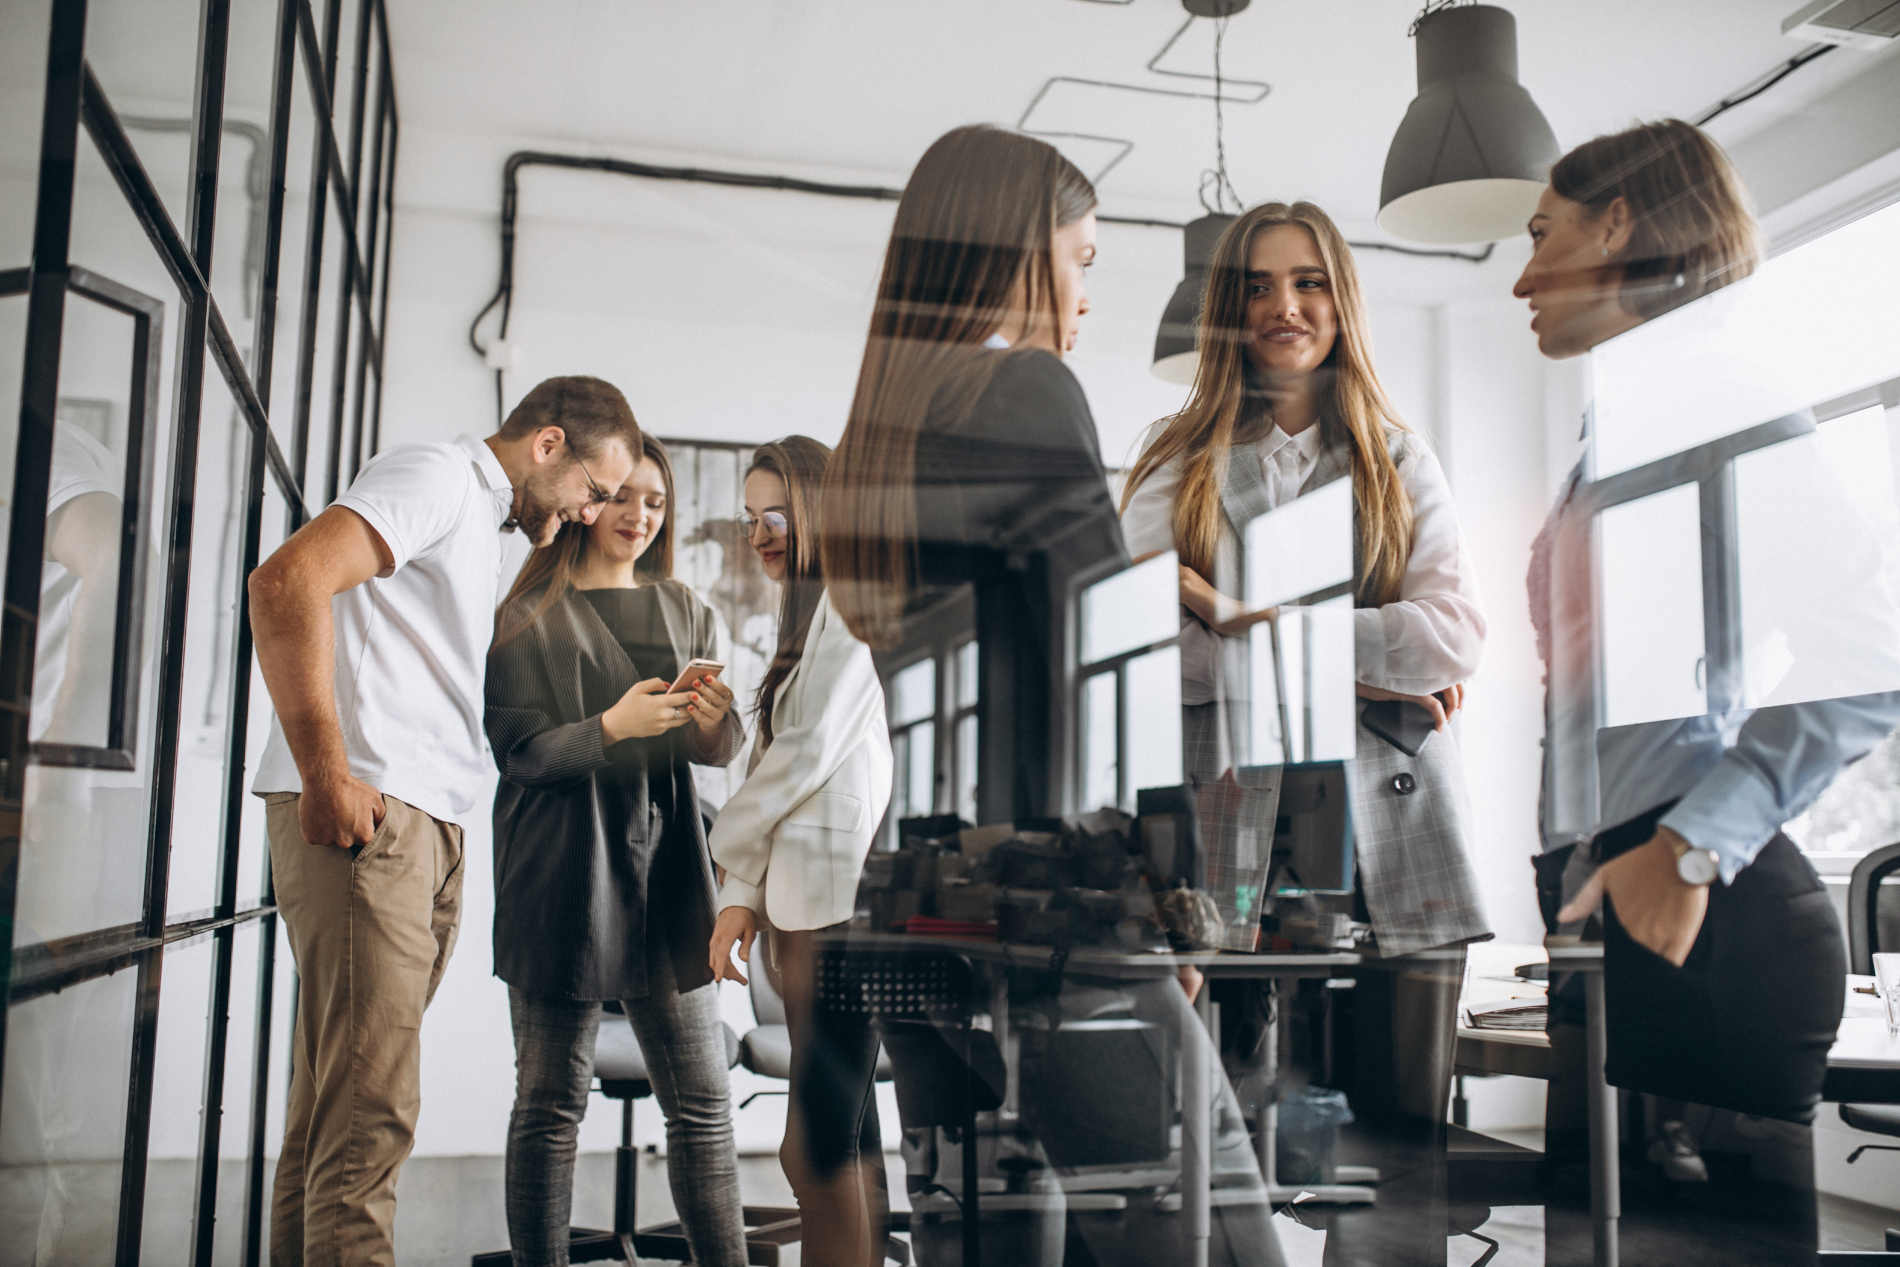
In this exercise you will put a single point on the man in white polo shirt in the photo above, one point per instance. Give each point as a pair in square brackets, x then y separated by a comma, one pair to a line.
[372, 627]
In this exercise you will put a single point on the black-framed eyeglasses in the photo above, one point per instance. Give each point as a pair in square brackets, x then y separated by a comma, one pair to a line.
[775, 521]
[596, 495]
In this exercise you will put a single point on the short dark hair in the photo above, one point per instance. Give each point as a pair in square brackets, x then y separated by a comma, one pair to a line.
[1691, 228]
[591, 412]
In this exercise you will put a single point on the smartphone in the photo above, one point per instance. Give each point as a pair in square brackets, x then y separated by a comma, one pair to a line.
[695, 669]
[1404, 726]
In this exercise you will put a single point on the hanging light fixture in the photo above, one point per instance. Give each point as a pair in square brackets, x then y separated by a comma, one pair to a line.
[1176, 355]
[1472, 153]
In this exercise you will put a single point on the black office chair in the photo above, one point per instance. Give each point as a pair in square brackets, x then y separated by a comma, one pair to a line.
[1864, 911]
[620, 1072]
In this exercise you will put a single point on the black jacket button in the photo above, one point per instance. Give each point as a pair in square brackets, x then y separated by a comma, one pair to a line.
[1404, 784]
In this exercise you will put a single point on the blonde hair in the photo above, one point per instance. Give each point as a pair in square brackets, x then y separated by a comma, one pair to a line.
[1357, 413]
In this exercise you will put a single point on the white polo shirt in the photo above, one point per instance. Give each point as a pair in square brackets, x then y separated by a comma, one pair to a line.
[412, 644]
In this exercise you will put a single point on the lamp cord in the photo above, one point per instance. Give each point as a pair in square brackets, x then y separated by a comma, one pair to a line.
[1223, 186]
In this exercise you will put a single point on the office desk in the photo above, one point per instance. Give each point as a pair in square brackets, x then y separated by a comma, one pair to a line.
[1197, 1092]
[1863, 1067]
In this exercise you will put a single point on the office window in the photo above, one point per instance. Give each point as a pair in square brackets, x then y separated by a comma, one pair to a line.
[963, 722]
[1128, 684]
[912, 701]
[148, 1002]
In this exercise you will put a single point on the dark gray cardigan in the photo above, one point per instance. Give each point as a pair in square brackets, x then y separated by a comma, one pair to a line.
[581, 843]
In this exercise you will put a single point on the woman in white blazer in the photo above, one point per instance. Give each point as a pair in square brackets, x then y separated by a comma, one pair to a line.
[790, 844]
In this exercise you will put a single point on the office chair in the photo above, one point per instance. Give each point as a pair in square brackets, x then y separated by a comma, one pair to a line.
[620, 1073]
[1863, 942]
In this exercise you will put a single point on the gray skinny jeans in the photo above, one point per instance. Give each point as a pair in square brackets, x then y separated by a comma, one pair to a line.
[685, 1050]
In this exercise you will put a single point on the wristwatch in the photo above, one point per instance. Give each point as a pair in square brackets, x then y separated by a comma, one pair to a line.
[1694, 866]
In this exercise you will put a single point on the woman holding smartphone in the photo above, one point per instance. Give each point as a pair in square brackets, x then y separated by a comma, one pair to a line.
[790, 844]
[1722, 955]
[970, 461]
[1285, 401]
[602, 887]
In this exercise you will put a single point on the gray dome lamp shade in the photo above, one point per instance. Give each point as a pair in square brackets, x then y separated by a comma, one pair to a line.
[1176, 357]
[1472, 153]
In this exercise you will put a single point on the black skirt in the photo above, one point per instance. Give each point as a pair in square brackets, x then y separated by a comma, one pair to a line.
[1746, 1022]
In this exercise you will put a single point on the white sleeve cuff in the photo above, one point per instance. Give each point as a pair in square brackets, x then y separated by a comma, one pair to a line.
[737, 892]
[1732, 811]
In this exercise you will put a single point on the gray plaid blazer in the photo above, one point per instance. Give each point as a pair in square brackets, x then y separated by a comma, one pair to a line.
[1410, 814]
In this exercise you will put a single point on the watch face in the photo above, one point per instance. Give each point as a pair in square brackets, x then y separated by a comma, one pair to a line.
[1696, 866]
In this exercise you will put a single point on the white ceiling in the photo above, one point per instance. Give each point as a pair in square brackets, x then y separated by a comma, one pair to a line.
[864, 86]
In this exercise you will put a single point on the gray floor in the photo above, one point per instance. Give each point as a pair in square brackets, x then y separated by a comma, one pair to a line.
[451, 1207]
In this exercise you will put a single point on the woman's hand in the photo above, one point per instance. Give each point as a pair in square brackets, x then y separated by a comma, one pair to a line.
[711, 701]
[1440, 705]
[735, 924]
[644, 711]
[1224, 615]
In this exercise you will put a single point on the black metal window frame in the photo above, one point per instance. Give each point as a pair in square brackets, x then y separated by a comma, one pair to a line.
[74, 99]
[1082, 673]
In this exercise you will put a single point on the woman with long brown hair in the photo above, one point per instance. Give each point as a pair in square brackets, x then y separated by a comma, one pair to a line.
[1286, 400]
[791, 842]
[1722, 955]
[970, 465]
[602, 886]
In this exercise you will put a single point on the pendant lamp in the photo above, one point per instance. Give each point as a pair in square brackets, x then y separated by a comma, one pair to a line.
[1473, 151]
[1176, 357]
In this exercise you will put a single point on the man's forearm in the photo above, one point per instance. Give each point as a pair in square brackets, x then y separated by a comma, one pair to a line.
[295, 641]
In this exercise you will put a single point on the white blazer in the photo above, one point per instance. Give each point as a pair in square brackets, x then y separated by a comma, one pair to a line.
[793, 837]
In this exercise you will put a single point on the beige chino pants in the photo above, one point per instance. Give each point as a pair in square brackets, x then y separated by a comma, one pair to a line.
[371, 930]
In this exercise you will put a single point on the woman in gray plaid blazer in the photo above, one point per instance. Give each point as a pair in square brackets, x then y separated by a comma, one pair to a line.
[1286, 402]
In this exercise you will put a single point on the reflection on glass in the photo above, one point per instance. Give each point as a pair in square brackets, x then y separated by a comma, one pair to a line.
[1154, 720]
[1651, 614]
[244, 154]
[145, 55]
[1136, 607]
[178, 1079]
[1300, 549]
[914, 693]
[1818, 519]
[327, 475]
[22, 97]
[252, 845]
[922, 781]
[62, 1120]
[966, 674]
[966, 769]
[1101, 763]
[1811, 325]
[292, 271]
[224, 458]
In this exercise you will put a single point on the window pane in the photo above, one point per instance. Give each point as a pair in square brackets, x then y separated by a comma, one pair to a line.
[22, 96]
[966, 674]
[1134, 608]
[966, 769]
[240, 1067]
[12, 382]
[145, 55]
[914, 693]
[178, 1080]
[62, 1119]
[1812, 324]
[293, 282]
[1301, 548]
[369, 162]
[343, 96]
[277, 1096]
[923, 768]
[1651, 618]
[210, 649]
[900, 776]
[1100, 762]
[325, 480]
[1154, 720]
[244, 154]
[1818, 520]
[252, 846]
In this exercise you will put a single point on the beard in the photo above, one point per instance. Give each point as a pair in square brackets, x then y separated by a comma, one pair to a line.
[537, 512]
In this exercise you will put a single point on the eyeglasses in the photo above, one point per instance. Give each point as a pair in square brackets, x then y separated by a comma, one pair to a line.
[596, 495]
[776, 524]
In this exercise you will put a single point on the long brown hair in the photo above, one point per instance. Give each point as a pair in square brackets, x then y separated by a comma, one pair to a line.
[799, 461]
[971, 239]
[1357, 413]
[549, 571]
[1691, 229]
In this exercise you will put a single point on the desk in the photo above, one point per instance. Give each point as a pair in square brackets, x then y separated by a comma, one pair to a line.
[1863, 1067]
